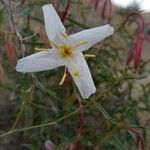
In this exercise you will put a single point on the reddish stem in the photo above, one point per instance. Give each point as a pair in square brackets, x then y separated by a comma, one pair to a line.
[65, 12]
[10, 51]
[22, 2]
[81, 123]
[140, 137]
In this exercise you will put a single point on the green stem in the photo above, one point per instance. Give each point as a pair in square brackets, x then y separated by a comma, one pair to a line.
[88, 104]
[38, 126]
[121, 124]
[18, 116]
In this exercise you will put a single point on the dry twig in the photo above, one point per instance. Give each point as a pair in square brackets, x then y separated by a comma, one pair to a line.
[9, 5]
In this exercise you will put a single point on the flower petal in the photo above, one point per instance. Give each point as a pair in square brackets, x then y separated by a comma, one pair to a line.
[91, 36]
[39, 62]
[53, 23]
[84, 81]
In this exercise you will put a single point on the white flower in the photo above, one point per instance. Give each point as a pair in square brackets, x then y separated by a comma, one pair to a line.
[66, 51]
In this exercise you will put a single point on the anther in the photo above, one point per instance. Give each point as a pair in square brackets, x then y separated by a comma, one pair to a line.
[54, 44]
[76, 73]
[80, 44]
[64, 35]
[63, 78]
[90, 55]
[41, 49]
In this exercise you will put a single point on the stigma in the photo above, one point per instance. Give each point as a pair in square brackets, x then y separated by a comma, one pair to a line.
[66, 51]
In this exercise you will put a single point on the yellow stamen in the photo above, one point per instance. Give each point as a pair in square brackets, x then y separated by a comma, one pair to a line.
[90, 55]
[80, 44]
[76, 73]
[64, 35]
[63, 78]
[41, 49]
[54, 44]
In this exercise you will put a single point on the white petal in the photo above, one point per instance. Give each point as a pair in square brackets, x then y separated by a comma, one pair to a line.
[91, 36]
[84, 81]
[53, 23]
[38, 62]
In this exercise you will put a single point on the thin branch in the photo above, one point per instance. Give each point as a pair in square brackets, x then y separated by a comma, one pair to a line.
[10, 9]
[11, 14]
[28, 38]
[88, 104]
[39, 126]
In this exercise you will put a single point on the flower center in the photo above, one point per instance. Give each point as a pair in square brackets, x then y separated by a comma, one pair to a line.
[65, 51]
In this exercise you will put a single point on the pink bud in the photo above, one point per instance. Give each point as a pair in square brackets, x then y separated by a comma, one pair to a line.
[137, 46]
[106, 10]
[95, 3]
[49, 145]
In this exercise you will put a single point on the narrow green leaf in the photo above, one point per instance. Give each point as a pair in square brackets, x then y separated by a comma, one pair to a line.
[116, 142]
[104, 112]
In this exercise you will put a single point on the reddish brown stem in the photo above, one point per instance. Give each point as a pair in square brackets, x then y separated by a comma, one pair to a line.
[81, 123]
[140, 137]
[65, 12]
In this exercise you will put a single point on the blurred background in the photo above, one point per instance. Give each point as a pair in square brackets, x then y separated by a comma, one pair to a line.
[117, 117]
